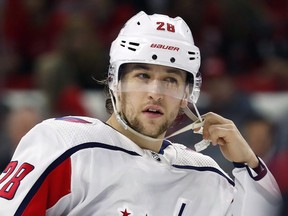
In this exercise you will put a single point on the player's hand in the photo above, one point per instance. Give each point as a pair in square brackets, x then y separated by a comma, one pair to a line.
[223, 132]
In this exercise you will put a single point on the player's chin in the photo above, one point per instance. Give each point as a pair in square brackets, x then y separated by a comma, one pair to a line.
[152, 135]
[155, 130]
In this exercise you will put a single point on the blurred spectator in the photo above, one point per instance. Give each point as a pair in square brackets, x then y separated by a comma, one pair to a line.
[153, 6]
[17, 124]
[246, 33]
[260, 133]
[265, 138]
[30, 29]
[107, 16]
[5, 58]
[4, 146]
[283, 135]
[195, 19]
[278, 69]
[279, 169]
[271, 76]
[224, 97]
[278, 166]
[69, 102]
[72, 66]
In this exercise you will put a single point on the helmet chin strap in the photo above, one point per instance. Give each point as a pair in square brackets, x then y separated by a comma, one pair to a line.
[124, 124]
[197, 123]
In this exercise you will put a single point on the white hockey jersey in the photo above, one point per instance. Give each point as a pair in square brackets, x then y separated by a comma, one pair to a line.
[83, 167]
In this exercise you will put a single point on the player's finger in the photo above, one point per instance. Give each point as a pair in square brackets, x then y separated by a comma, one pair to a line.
[213, 118]
[219, 134]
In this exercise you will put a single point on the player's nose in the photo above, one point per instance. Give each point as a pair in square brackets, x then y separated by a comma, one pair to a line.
[156, 90]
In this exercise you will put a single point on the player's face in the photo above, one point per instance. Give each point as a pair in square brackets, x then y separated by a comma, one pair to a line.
[151, 96]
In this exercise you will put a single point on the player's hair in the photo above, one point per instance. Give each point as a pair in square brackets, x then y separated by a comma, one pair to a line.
[108, 102]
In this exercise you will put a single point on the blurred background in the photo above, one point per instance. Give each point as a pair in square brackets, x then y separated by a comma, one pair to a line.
[50, 50]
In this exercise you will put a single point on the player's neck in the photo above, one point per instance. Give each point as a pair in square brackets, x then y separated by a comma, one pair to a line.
[142, 143]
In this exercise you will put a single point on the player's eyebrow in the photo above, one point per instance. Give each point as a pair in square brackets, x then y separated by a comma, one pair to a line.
[148, 67]
[139, 66]
[175, 70]
[142, 66]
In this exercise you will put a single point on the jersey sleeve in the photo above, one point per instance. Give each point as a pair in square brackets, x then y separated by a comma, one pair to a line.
[257, 192]
[35, 180]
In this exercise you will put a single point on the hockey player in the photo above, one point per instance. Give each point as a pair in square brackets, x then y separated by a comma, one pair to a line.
[126, 166]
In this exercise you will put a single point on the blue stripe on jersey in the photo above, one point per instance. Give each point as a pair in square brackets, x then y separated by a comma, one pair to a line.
[165, 144]
[211, 169]
[77, 148]
[57, 162]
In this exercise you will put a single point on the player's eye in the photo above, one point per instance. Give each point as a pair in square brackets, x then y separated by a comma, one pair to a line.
[171, 80]
[142, 76]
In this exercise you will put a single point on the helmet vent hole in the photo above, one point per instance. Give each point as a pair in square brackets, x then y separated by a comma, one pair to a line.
[138, 23]
[133, 46]
[154, 57]
[172, 60]
[122, 43]
[193, 55]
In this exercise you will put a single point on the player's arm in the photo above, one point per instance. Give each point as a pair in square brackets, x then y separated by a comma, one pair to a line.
[257, 192]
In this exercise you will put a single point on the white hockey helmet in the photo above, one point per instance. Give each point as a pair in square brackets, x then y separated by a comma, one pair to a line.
[156, 39]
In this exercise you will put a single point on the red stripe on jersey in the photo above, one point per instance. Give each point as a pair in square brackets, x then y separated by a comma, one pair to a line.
[55, 186]
[73, 119]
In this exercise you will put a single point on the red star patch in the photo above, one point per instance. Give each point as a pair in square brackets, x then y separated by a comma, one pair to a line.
[125, 213]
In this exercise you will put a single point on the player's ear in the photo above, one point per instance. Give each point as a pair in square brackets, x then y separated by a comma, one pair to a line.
[184, 101]
[118, 103]
[117, 99]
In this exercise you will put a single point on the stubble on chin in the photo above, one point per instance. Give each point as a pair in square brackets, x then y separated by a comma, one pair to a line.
[153, 130]
[150, 129]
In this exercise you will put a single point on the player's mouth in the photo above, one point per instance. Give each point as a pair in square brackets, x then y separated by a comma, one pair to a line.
[153, 111]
